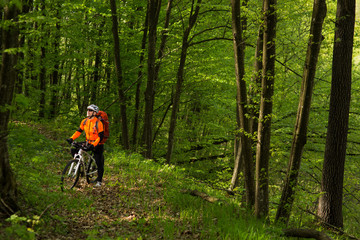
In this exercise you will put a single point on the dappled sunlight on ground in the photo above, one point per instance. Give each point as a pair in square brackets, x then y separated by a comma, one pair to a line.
[117, 210]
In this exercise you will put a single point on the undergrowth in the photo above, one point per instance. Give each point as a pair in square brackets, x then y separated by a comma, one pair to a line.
[141, 199]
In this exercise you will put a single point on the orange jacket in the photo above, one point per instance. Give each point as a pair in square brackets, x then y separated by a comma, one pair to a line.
[94, 129]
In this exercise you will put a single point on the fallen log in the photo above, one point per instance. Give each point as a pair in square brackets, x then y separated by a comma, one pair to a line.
[306, 233]
[201, 195]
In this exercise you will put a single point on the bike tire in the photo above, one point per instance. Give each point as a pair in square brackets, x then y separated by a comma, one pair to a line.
[70, 175]
[91, 171]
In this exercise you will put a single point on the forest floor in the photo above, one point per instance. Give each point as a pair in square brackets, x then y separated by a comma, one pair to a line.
[111, 213]
[130, 204]
[139, 199]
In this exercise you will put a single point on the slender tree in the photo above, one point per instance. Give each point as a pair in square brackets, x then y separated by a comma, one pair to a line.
[331, 201]
[180, 78]
[266, 105]
[302, 119]
[164, 35]
[42, 87]
[253, 110]
[161, 53]
[42, 74]
[256, 79]
[153, 16]
[55, 75]
[8, 76]
[139, 79]
[245, 135]
[124, 123]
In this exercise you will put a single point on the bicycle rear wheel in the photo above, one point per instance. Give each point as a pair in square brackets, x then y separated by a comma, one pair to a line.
[70, 175]
[91, 171]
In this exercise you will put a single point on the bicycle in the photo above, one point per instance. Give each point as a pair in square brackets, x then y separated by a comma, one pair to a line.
[83, 164]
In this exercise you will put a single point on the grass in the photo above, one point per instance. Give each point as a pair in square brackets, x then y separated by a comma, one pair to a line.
[141, 199]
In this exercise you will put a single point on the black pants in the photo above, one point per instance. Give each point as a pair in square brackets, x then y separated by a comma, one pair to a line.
[99, 159]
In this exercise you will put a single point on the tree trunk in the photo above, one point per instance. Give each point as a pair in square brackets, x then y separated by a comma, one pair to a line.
[245, 135]
[330, 204]
[95, 89]
[238, 164]
[8, 76]
[55, 74]
[153, 16]
[266, 103]
[124, 123]
[164, 36]
[238, 160]
[42, 86]
[302, 119]
[256, 83]
[138, 85]
[180, 80]
[42, 74]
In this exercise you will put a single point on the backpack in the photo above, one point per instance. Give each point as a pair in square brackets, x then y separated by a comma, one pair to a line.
[103, 117]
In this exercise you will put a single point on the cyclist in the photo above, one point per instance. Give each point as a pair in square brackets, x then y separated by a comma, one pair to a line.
[94, 131]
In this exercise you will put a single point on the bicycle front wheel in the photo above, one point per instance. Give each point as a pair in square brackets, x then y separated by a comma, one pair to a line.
[91, 171]
[70, 175]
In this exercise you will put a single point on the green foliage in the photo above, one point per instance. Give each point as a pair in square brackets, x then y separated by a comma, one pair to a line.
[82, 32]
[21, 227]
[153, 192]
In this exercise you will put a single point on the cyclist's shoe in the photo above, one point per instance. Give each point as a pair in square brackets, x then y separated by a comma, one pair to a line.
[95, 181]
[98, 184]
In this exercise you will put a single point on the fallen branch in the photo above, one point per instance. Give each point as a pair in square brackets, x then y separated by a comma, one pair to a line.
[7, 209]
[306, 233]
[202, 195]
[47, 208]
[336, 229]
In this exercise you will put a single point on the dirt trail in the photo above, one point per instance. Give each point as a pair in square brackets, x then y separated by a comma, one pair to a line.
[116, 210]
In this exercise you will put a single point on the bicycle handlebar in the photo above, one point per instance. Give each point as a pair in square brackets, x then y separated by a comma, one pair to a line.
[80, 145]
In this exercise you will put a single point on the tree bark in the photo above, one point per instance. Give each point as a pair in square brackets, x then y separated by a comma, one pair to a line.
[180, 80]
[330, 204]
[55, 73]
[124, 123]
[238, 163]
[245, 135]
[255, 86]
[42, 86]
[302, 119]
[138, 85]
[266, 104]
[8, 76]
[153, 16]
[164, 36]
[42, 74]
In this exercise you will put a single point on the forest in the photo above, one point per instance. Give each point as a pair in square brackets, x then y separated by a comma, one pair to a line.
[252, 101]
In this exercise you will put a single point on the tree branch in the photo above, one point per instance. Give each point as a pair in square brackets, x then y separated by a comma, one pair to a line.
[211, 39]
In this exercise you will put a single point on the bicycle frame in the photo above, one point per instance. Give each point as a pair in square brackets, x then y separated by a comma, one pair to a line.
[77, 156]
[83, 162]
[80, 156]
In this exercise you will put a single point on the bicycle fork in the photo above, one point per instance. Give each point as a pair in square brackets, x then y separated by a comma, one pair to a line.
[76, 165]
[71, 169]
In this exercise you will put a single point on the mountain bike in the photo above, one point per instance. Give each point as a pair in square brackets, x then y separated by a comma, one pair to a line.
[82, 165]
